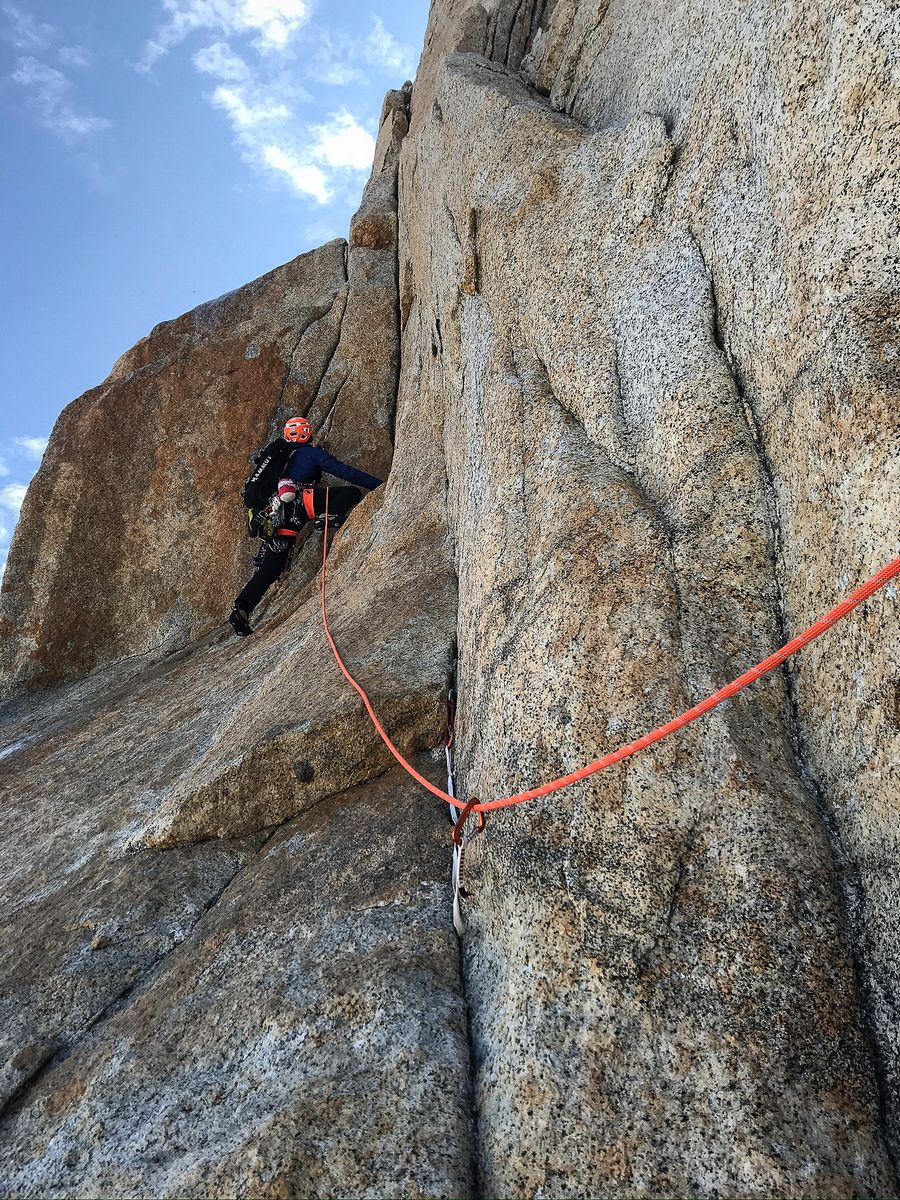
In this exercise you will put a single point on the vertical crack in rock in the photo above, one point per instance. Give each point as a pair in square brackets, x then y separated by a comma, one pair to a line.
[475, 1158]
[474, 1115]
[332, 350]
[511, 34]
[850, 889]
[471, 281]
[289, 362]
[399, 320]
[328, 419]
[511, 31]
[619, 415]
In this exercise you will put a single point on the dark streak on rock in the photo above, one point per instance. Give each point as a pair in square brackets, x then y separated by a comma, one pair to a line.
[471, 282]
[473, 1064]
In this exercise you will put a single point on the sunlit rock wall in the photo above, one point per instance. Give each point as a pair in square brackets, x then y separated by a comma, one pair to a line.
[645, 264]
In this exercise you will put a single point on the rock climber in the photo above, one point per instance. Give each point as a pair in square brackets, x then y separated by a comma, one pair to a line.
[278, 513]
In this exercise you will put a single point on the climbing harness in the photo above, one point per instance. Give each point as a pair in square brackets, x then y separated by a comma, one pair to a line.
[878, 581]
[309, 506]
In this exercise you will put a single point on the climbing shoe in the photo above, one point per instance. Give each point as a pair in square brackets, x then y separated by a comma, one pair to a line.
[239, 622]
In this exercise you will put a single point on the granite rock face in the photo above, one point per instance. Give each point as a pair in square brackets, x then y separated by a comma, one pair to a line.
[265, 1054]
[638, 294]
[618, 317]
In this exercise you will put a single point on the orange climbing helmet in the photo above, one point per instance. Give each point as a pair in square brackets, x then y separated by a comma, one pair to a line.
[298, 429]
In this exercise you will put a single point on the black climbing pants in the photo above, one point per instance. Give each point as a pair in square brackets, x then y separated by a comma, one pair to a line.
[274, 556]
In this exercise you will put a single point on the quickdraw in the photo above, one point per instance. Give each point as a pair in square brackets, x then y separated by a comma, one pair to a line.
[462, 834]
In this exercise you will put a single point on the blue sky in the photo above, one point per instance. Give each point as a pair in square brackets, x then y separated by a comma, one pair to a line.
[157, 153]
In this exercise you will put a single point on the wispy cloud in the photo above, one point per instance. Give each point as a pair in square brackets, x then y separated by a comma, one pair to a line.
[339, 59]
[49, 94]
[4, 469]
[34, 447]
[11, 497]
[335, 60]
[342, 143]
[260, 50]
[48, 89]
[274, 22]
[221, 61]
[24, 32]
[382, 49]
[76, 57]
[311, 159]
[246, 115]
[305, 178]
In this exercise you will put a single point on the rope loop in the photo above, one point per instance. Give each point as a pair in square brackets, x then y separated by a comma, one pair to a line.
[879, 580]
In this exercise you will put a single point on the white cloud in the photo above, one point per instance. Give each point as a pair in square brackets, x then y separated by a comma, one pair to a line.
[382, 49]
[259, 95]
[222, 62]
[338, 58]
[277, 20]
[335, 61]
[312, 162]
[336, 73]
[12, 495]
[305, 178]
[245, 115]
[33, 446]
[343, 143]
[74, 56]
[273, 21]
[306, 157]
[24, 32]
[49, 89]
[4, 469]
[50, 84]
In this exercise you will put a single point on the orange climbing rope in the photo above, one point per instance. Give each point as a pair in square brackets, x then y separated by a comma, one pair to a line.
[726, 693]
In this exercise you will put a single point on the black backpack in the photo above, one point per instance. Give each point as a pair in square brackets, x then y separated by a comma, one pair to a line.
[270, 464]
